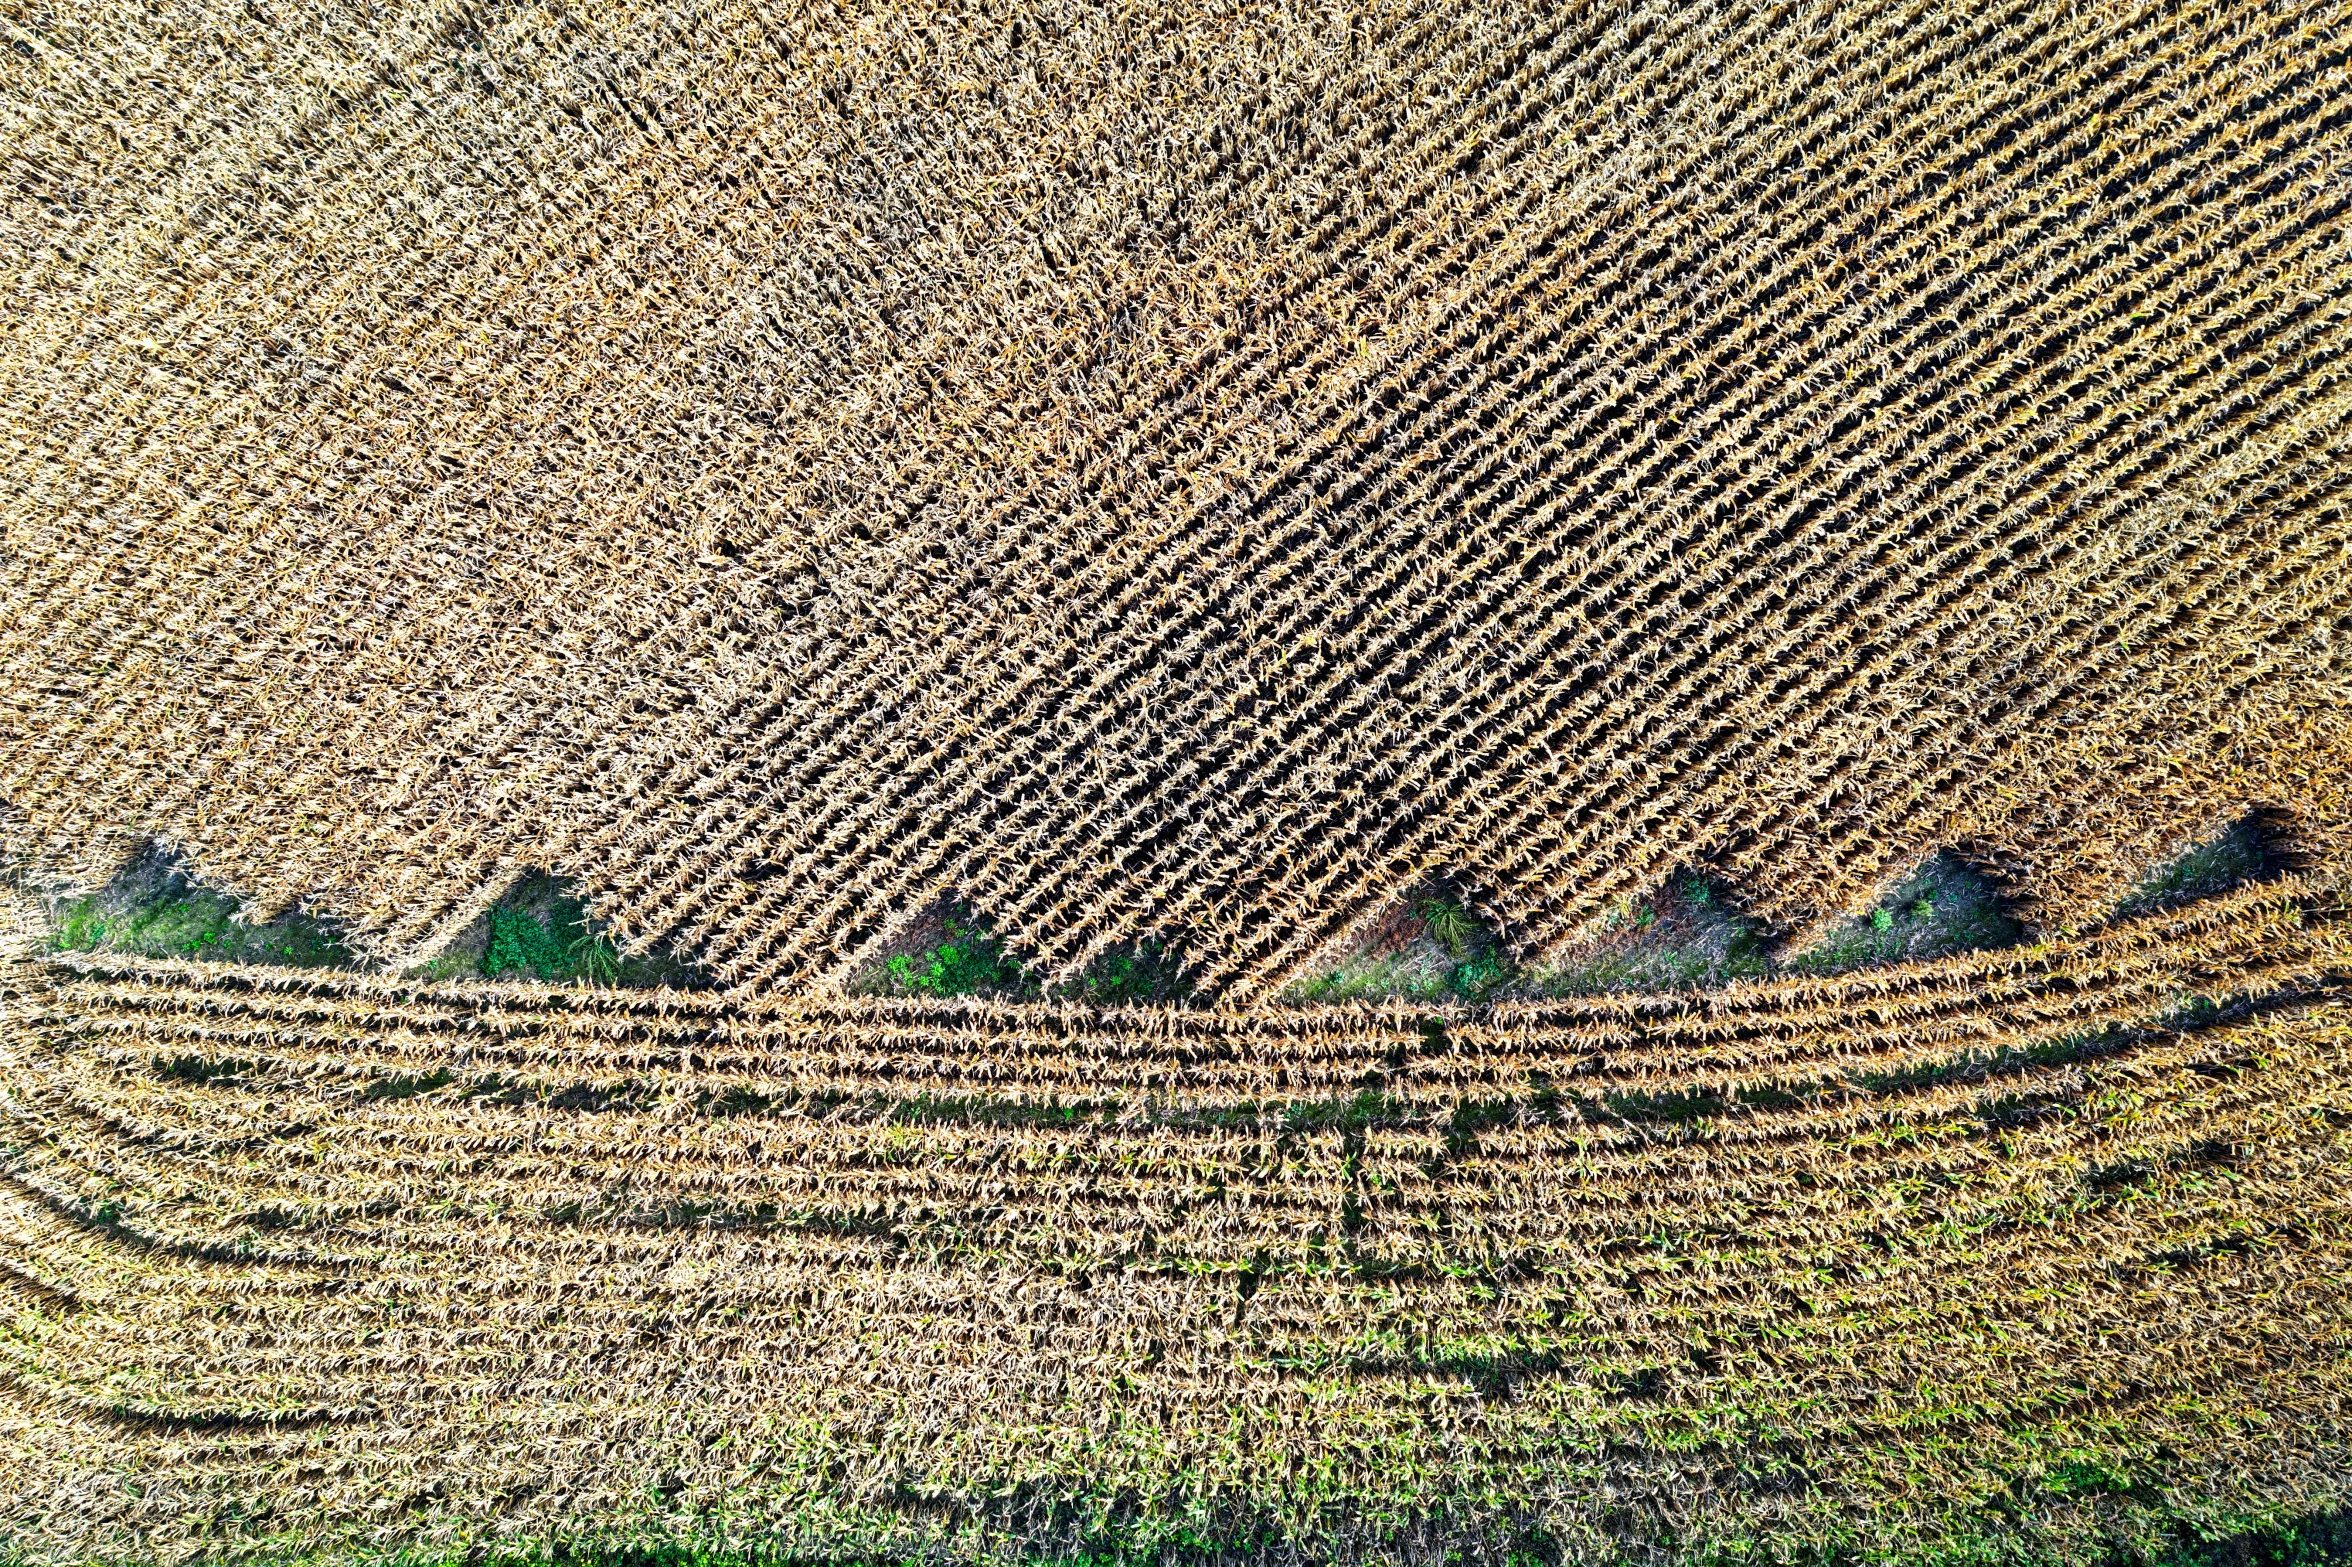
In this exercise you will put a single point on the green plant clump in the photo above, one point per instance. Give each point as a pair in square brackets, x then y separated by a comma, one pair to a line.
[968, 963]
[562, 948]
[1477, 977]
[1150, 970]
[521, 944]
[1449, 924]
[196, 923]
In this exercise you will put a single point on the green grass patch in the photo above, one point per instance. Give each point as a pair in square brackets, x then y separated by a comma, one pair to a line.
[1941, 908]
[955, 951]
[542, 930]
[967, 960]
[2239, 854]
[564, 947]
[153, 910]
[1079, 1530]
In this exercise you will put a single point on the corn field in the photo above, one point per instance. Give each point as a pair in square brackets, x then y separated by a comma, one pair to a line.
[1197, 473]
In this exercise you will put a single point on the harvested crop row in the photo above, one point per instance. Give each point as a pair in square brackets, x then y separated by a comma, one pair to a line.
[1473, 1188]
[1209, 479]
[704, 1149]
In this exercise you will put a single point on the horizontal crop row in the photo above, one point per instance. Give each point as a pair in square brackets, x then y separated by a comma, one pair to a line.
[355, 1034]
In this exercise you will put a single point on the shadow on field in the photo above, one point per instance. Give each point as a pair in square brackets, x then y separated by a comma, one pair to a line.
[1688, 934]
[154, 908]
[952, 949]
[541, 929]
[2258, 846]
[1428, 945]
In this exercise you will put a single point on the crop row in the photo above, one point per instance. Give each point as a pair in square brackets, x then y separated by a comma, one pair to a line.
[1786, 1032]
